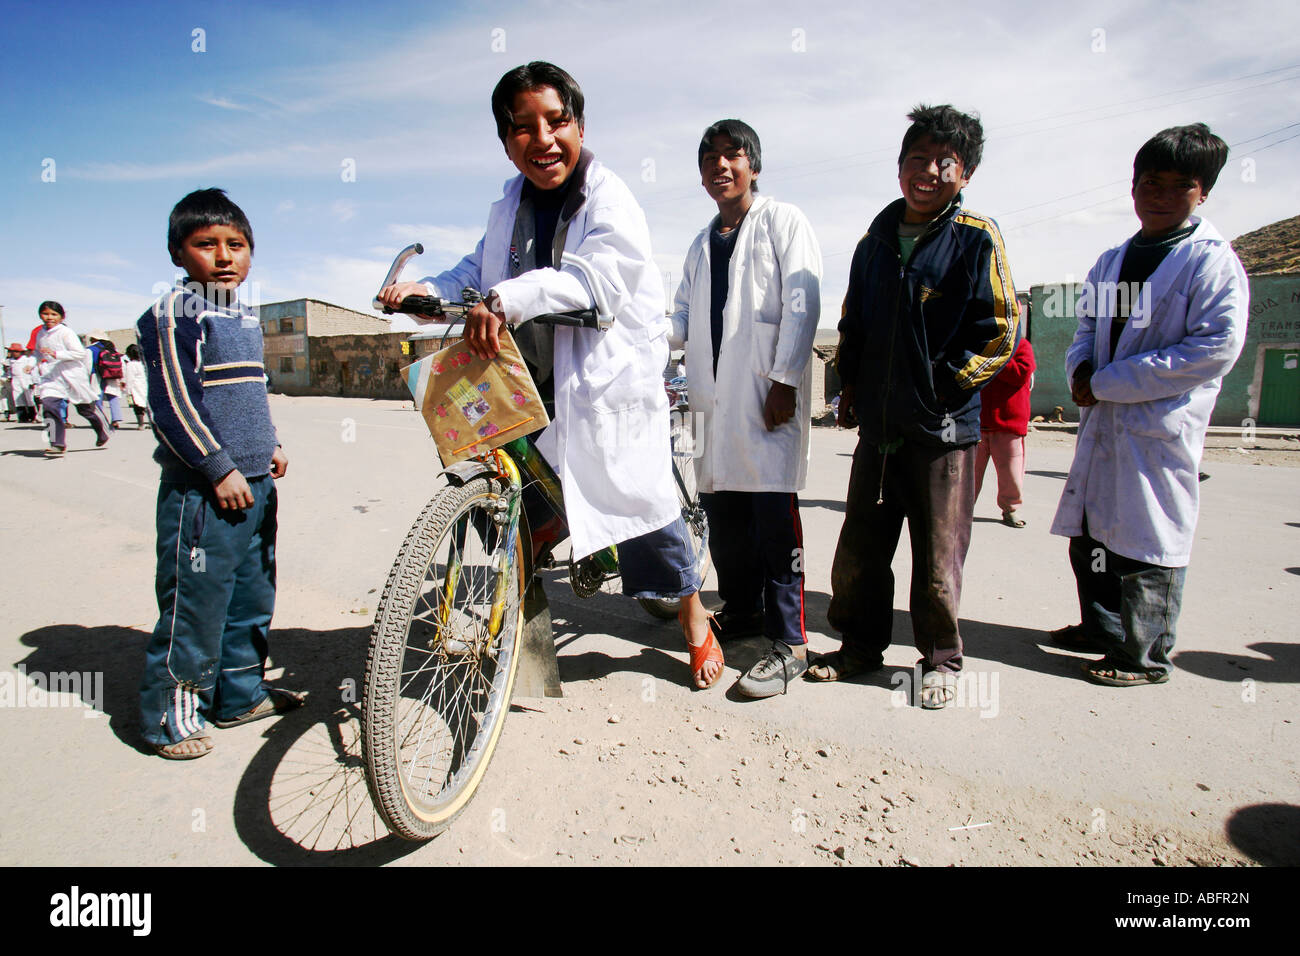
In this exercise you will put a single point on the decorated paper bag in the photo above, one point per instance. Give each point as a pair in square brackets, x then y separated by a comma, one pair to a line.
[473, 405]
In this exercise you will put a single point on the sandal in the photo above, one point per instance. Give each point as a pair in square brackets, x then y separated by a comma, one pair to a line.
[842, 665]
[276, 702]
[170, 751]
[701, 654]
[1011, 521]
[1107, 674]
[938, 689]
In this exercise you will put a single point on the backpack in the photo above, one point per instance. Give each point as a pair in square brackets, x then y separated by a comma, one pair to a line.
[110, 364]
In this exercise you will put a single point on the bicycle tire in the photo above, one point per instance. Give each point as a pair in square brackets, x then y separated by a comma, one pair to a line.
[697, 524]
[418, 650]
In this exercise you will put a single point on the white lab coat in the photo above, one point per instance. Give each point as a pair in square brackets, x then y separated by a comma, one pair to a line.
[609, 440]
[768, 326]
[65, 375]
[134, 383]
[22, 371]
[1139, 448]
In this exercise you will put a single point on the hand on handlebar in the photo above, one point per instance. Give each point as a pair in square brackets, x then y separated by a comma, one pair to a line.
[481, 328]
[392, 296]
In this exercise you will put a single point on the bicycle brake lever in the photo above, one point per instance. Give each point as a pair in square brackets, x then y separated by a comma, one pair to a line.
[395, 270]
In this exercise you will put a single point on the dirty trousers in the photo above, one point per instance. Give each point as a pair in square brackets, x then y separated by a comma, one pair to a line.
[933, 488]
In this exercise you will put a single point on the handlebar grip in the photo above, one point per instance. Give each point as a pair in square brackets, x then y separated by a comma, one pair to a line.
[578, 318]
[420, 305]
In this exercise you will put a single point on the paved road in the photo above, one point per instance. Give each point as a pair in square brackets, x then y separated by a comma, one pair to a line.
[78, 541]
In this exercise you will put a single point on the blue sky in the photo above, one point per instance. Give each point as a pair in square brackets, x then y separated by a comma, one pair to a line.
[282, 99]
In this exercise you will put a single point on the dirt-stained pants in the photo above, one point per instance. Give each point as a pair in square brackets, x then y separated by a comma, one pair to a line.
[933, 487]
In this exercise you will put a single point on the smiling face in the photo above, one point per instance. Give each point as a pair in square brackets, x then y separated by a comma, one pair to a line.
[50, 318]
[930, 176]
[1164, 201]
[543, 141]
[725, 170]
[219, 257]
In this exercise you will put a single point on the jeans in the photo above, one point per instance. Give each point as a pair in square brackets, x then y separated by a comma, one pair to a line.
[659, 564]
[1129, 607]
[114, 406]
[756, 542]
[933, 487]
[216, 593]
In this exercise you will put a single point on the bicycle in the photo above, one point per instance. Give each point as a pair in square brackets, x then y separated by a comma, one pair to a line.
[446, 642]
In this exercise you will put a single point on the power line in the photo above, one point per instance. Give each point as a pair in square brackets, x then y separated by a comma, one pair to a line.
[1069, 212]
[842, 162]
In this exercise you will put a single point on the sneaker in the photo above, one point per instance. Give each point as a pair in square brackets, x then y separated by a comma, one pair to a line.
[54, 451]
[729, 626]
[773, 672]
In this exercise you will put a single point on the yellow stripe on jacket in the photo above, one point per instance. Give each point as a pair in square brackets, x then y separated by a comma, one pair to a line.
[982, 367]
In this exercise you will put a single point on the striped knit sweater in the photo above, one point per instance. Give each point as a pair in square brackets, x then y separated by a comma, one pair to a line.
[207, 387]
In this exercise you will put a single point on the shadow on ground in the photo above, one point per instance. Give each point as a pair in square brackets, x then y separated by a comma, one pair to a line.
[1268, 833]
[1281, 666]
[663, 653]
[302, 800]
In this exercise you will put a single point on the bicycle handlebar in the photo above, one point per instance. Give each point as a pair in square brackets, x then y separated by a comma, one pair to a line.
[597, 317]
[432, 305]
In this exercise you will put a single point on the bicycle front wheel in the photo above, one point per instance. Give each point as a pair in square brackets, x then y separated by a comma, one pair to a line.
[443, 656]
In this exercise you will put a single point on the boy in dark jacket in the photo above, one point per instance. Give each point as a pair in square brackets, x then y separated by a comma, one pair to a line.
[216, 500]
[929, 318]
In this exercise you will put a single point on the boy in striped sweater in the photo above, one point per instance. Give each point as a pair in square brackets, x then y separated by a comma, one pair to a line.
[216, 514]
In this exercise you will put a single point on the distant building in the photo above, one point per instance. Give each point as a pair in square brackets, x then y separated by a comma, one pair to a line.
[315, 348]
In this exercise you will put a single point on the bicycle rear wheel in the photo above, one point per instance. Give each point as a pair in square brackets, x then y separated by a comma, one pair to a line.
[697, 524]
[440, 670]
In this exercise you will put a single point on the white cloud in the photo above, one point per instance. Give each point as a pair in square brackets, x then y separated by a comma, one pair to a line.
[444, 246]
[89, 306]
[224, 103]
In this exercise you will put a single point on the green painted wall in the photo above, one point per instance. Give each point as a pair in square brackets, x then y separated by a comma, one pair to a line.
[1274, 324]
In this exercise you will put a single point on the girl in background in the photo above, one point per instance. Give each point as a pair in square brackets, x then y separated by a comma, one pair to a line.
[134, 387]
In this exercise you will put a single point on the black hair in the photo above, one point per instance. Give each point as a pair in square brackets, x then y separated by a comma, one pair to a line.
[52, 306]
[946, 126]
[532, 76]
[740, 133]
[1191, 150]
[202, 208]
[133, 352]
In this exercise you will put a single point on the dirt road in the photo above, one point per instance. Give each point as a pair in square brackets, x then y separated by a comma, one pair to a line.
[631, 766]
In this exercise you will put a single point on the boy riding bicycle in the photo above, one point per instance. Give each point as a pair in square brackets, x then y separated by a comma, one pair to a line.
[608, 441]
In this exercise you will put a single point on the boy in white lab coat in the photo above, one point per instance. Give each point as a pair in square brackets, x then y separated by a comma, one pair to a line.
[608, 439]
[1162, 318]
[746, 312]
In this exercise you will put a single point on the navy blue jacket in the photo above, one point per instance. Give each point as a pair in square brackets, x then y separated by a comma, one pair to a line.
[207, 387]
[918, 341]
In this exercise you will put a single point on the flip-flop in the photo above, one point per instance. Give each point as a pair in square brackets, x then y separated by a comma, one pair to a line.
[169, 751]
[1011, 521]
[276, 702]
[701, 654]
[1108, 675]
[841, 665]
